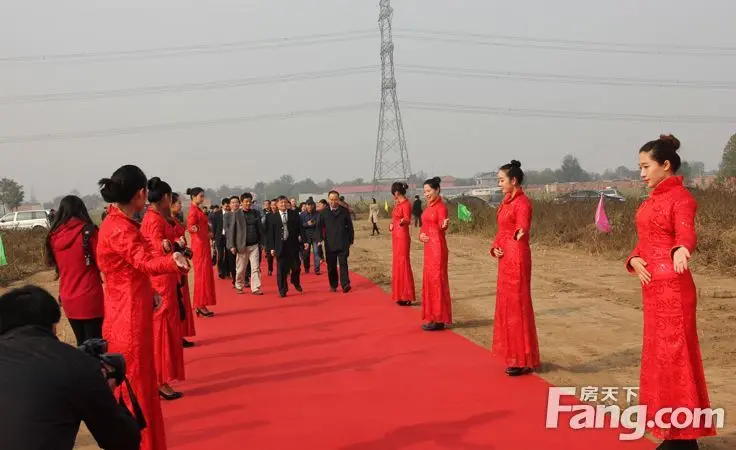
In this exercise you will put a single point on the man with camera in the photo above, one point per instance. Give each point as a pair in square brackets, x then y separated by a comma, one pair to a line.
[48, 387]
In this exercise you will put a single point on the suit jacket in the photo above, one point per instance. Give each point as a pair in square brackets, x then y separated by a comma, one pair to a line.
[216, 223]
[337, 229]
[237, 230]
[275, 230]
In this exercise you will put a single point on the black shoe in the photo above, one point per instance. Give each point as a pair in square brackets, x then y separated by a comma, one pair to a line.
[517, 371]
[433, 326]
[346, 289]
[186, 344]
[403, 303]
[282, 294]
[173, 396]
[270, 273]
[688, 444]
[298, 287]
[333, 289]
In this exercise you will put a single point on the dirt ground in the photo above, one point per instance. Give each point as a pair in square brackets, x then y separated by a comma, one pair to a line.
[588, 313]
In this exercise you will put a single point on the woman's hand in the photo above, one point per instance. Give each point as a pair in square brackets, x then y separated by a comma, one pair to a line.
[391, 226]
[445, 223]
[680, 258]
[639, 265]
[167, 245]
[423, 237]
[195, 229]
[519, 234]
[181, 261]
[496, 252]
[182, 242]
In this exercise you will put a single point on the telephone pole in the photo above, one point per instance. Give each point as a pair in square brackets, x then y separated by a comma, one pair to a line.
[392, 158]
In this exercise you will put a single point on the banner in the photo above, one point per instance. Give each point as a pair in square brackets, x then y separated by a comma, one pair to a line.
[463, 213]
[601, 220]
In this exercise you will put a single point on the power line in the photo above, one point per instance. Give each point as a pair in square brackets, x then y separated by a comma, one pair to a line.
[195, 49]
[561, 114]
[348, 71]
[566, 79]
[181, 125]
[186, 87]
[414, 105]
[562, 44]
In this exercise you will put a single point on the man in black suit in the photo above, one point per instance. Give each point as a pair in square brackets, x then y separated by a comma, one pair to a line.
[218, 235]
[282, 241]
[336, 226]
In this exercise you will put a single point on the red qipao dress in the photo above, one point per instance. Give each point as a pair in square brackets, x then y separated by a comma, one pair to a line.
[514, 328]
[436, 300]
[671, 366]
[168, 351]
[126, 264]
[204, 279]
[402, 277]
[187, 324]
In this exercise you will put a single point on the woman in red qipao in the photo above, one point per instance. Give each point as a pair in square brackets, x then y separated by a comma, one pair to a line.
[436, 300]
[126, 264]
[204, 279]
[402, 279]
[159, 235]
[514, 328]
[672, 373]
[187, 325]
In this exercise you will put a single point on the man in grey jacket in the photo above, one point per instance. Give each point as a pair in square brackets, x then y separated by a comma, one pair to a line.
[244, 239]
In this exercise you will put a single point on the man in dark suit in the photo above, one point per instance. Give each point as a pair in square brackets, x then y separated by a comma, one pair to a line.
[218, 235]
[282, 241]
[336, 226]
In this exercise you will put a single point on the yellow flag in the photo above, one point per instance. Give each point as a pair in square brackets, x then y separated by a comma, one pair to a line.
[385, 205]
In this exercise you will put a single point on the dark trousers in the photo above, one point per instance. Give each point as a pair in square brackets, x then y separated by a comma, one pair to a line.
[287, 263]
[222, 261]
[230, 265]
[86, 329]
[375, 229]
[333, 259]
[269, 262]
[417, 220]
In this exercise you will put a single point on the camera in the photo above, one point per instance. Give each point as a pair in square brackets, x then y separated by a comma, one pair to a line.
[186, 251]
[97, 348]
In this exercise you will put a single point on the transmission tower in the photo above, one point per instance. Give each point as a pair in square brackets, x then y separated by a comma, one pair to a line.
[392, 159]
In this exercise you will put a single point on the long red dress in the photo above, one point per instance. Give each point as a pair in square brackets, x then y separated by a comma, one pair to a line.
[402, 276]
[204, 279]
[168, 351]
[671, 366]
[187, 325]
[436, 300]
[514, 328]
[126, 263]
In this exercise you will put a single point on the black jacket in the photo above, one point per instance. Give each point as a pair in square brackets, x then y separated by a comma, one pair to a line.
[337, 229]
[216, 224]
[275, 231]
[48, 388]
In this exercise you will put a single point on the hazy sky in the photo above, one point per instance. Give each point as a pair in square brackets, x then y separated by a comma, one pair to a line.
[341, 146]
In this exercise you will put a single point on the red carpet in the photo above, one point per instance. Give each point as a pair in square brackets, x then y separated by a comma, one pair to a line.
[323, 370]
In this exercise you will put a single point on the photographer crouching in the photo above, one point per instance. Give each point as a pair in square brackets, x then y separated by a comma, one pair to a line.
[48, 387]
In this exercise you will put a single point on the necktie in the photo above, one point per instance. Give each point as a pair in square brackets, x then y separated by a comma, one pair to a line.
[286, 229]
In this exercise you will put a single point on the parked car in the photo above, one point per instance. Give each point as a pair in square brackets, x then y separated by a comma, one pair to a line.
[25, 220]
[496, 198]
[613, 193]
[585, 196]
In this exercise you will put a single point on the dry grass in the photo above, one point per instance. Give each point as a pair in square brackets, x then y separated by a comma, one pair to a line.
[25, 254]
[572, 226]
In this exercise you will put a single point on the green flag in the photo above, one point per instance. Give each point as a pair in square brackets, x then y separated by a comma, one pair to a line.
[463, 213]
[3, 261]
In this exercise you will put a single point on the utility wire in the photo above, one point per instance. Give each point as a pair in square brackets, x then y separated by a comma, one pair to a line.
[413, 105]
[336, 73]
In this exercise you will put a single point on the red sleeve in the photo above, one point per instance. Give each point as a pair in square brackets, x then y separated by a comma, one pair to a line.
[524, 218]
[132, 248]
[634, 254]
[191, 219]
[406, 214]
[683, 215]
[154, 234]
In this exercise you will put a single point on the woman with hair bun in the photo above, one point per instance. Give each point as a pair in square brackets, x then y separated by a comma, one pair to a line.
[402, 279]
[436, 299]
[126, 263]
[159, 235]
[204, 280]
[672, 373]
[188, 329]
[514, 328]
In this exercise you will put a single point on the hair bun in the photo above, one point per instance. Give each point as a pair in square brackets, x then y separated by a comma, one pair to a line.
[189, 191]
[153, 183]
[109, 190]
[670, 139]
[515, 163]
[437, 179]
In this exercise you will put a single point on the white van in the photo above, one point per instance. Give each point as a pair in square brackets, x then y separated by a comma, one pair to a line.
[25, 220]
